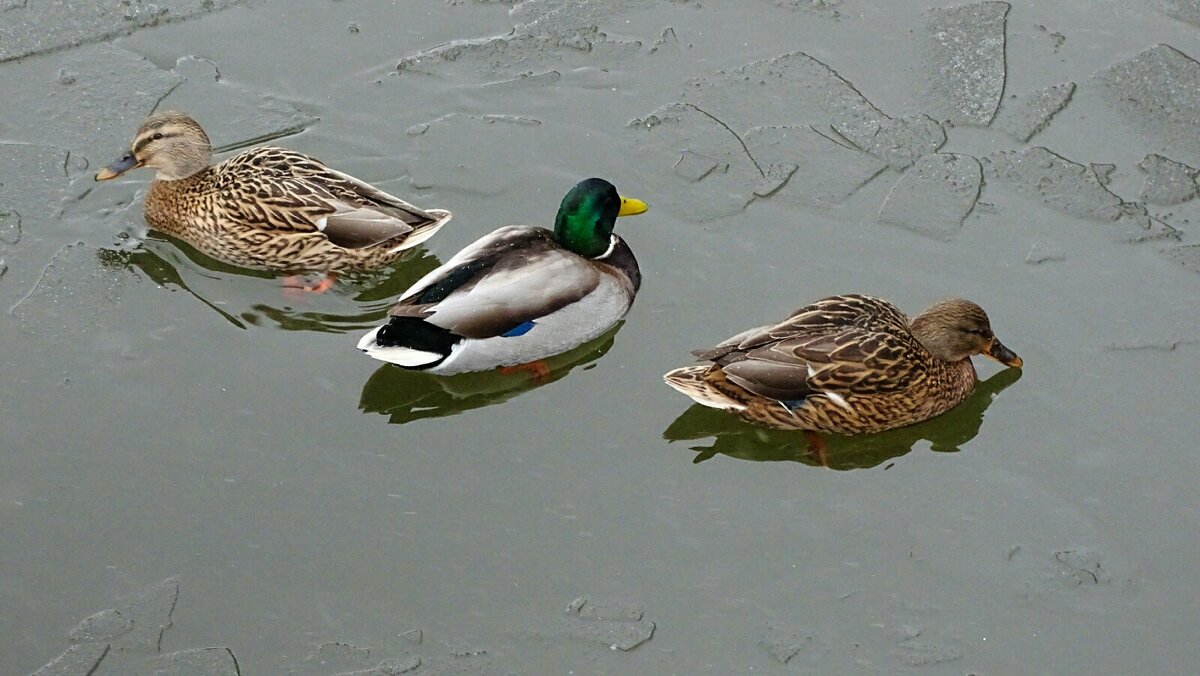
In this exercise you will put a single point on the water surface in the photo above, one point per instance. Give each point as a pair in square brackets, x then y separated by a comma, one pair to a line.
[166, 417]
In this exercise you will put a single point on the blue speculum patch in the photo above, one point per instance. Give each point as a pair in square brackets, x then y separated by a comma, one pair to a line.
[518, 330]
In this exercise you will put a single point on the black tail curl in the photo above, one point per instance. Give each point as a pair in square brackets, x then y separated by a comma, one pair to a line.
[417, 334]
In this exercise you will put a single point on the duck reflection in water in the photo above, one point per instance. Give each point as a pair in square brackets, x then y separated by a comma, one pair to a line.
[405, 396]
[245, 297]
[735, 438]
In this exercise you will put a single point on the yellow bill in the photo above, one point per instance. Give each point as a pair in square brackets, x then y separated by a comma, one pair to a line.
[632, 207]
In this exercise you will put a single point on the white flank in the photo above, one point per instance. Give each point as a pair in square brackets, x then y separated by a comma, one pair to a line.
[839, 400]
[811, 371]
[322, 223]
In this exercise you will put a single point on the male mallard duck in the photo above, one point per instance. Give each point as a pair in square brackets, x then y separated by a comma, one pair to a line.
[268, 207]
[519, 294]
[848, 365]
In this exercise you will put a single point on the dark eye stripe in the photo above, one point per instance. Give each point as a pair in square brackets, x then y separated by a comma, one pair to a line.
[143, 141]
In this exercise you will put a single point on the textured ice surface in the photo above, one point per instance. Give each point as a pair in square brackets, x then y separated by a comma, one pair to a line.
[935, 195]
[1158, 92]
[149, 612]
[1167, 181]
[510, 140]
[826, 172]
[902, 140]
[125, 640]
[711, 171]
[618, 626]
[91, 99]
[35, 26]
[232, 115]
[796, 89]
[564, 17]
[790, 89]
[36, 196]
[546, 33]
[965, 61]
[73, 296]
[332, 658]
[104, 625]
[918, 653]
[1184, 10]
[1187, 255]
[783, 643]
[517, 53]
[829, 8]
[195, 662]
[78, 660]
[106, 96]
[1054, 180]
[1022, 117]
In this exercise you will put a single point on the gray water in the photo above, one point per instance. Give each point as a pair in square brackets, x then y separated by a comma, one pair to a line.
[200, 474]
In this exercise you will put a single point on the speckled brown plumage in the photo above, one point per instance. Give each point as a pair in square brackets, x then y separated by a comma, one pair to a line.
[269, 207]
[846, 364]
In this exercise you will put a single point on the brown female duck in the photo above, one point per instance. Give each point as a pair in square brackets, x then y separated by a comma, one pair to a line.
[268, 207]
[848, 365]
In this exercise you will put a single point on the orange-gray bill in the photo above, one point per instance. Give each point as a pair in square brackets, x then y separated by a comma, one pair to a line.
[997, 351]
[127, 162]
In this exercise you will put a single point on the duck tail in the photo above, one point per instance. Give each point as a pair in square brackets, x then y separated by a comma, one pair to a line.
[424, 231]
[694, 382]
[410, 342]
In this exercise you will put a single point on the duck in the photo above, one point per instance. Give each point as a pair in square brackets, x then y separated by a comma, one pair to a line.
[519, 294]
[267, 207]
[847, 364]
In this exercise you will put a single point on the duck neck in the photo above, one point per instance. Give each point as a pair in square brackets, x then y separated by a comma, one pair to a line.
[579, 233]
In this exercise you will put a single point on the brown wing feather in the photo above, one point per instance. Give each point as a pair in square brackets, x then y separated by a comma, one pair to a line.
[291, 191]
[847, 344]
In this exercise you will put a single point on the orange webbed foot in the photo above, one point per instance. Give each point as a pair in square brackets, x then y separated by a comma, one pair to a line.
[817, 448]
[298, 284]
[538, 370]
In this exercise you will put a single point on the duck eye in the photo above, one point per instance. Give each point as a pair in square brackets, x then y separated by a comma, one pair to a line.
[157, 136]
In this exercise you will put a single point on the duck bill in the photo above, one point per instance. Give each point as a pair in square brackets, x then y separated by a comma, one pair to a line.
[997, 351]
[127, 162]
[632, 207]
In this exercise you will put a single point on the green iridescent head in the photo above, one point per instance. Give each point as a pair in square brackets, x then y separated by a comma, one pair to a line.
[587, 215]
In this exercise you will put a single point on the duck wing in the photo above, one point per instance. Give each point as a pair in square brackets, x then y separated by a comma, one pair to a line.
[842, 344]
[291, 191]
[501, 282]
